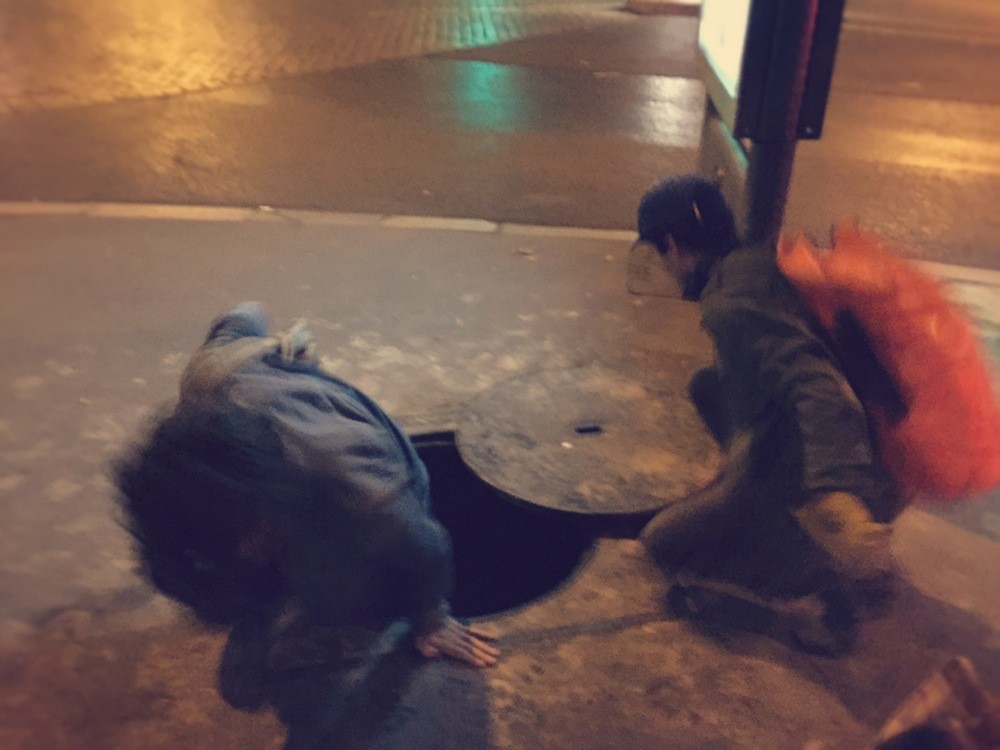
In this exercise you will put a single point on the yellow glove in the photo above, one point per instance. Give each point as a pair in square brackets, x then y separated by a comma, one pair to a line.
[843, 527]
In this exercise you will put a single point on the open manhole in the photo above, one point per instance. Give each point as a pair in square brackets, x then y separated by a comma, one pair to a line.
[506, 554]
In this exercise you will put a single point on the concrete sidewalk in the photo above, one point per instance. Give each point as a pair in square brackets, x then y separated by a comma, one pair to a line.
[101, 305]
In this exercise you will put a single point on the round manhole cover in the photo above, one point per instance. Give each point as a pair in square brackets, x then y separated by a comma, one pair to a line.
[589, 440]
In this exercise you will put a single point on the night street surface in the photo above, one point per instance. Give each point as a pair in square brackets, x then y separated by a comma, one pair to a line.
[383, 139]
[537, 112]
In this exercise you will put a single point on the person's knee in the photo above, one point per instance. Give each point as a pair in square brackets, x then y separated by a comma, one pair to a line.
[841, 525]
[693, 523]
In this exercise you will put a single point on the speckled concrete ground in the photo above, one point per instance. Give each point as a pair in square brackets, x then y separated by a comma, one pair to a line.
[98, 313]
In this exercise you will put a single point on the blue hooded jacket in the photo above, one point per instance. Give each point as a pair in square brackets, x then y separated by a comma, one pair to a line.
[361, 546]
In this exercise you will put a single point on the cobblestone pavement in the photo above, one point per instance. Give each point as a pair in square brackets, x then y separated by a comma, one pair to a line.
[62, 54]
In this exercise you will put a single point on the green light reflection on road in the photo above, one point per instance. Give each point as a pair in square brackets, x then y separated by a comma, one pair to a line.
[487, 98]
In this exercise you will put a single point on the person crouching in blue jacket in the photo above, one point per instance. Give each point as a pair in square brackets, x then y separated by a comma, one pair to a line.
[273, 481]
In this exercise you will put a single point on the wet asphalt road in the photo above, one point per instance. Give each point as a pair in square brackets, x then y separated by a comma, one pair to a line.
[545, 112]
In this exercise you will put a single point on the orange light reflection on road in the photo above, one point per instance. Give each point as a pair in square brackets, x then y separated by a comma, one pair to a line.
[671, 112]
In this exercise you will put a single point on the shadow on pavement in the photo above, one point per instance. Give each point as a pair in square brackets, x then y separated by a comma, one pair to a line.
[85, 680]
[363, 691]
[893, 654]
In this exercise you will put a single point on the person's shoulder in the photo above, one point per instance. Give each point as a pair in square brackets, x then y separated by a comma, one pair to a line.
[749, 260]
[749, 275]
[748, 289]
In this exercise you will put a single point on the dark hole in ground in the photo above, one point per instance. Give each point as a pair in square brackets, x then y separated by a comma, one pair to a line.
[589, 429]
[506, 552]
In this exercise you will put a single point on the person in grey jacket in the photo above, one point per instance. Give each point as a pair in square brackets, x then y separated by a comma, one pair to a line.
[802, 504]
[272, 480]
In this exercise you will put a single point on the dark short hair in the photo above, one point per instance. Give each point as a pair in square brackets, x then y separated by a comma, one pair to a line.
[189, 492]
[693, 211]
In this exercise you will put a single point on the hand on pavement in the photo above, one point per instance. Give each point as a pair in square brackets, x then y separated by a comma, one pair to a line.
[467, 643]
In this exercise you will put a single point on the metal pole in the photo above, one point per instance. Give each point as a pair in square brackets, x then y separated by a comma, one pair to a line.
[770, 161]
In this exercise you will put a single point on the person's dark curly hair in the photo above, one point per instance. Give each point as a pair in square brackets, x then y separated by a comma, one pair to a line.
[191, 492]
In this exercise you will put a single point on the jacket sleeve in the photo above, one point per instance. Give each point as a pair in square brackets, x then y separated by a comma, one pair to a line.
[367, 541]
[774, 362]
[423, 574]
[352, 568]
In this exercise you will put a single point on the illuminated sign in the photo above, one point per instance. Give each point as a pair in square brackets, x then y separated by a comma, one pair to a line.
[748, 51]
[722, 35]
